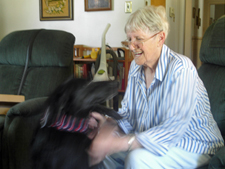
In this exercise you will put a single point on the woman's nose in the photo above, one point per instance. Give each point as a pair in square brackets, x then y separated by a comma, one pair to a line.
[132, 46]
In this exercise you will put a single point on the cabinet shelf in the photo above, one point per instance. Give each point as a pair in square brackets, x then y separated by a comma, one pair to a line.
[80, 59]
[81, 50]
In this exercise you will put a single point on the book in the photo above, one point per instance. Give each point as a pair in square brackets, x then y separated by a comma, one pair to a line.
[83, 71]
[121, 76]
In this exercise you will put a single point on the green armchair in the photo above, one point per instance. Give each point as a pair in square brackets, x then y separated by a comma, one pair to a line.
[32, 63]
[212, 73]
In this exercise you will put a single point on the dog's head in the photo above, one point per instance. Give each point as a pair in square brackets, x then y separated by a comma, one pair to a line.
[92, 94]
[77, 97]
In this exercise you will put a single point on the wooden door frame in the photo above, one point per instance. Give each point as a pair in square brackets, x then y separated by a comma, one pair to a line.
[158, 2]
[187, 34]
[206, 13]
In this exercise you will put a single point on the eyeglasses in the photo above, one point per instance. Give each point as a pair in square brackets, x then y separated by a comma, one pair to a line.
[137, 42]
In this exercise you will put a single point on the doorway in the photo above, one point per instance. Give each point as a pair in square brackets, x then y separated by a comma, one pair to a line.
[194, 32]
[212, 7]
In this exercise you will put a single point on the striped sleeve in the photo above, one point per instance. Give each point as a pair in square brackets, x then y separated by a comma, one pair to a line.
[124, 111]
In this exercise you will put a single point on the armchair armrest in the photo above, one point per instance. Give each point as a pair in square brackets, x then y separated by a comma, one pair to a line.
[21, 122]
[218, 160]
[27, 108]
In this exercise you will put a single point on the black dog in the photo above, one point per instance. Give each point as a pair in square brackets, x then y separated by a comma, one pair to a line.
[57, 147]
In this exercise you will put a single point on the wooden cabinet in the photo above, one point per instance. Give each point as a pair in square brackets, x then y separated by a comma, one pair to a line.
[81, 50]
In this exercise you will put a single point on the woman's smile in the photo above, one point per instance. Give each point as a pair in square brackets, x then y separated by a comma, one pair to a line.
[137, 54]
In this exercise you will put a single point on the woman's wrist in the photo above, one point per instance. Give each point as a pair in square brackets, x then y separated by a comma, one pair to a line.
[130, 142]
[125, 143]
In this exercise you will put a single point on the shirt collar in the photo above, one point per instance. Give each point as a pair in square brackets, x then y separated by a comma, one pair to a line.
[160, 69]
[162, 63]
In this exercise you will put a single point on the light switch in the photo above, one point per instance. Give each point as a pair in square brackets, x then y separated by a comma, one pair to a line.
[128, 6]
[171, 11]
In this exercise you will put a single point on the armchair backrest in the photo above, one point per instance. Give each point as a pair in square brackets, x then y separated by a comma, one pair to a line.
[212, 71]
[48, 55]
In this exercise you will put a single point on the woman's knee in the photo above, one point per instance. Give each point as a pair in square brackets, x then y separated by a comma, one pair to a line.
[134, 158]
[142, 158]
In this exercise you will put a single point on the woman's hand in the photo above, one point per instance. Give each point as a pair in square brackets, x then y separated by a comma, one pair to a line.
[99, 117]
[102, 144]
[93, 128]
[94, 123]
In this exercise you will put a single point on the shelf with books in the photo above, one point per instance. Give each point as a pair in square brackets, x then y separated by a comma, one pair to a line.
[123, 62]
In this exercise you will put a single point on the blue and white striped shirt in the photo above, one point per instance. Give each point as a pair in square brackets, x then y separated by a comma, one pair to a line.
[173, 112]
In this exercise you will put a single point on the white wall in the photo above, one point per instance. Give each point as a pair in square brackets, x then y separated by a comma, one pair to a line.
[175, 39]
[87, 26]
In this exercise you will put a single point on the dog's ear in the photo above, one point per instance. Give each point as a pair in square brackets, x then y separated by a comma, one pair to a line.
[97, 92]
[107, 111]
[63, 97]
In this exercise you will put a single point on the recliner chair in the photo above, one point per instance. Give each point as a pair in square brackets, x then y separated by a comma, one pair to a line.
[212, 73]
[32, 63]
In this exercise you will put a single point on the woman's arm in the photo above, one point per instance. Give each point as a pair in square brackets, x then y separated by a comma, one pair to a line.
[109, 140]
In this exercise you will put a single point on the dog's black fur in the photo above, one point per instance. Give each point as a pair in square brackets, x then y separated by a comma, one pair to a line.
[55, 149]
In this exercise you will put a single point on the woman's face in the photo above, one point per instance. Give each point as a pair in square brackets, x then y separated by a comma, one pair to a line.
[145, 47]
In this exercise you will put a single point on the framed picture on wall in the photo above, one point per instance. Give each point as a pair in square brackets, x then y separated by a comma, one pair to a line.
[51, 10]
[98, 5]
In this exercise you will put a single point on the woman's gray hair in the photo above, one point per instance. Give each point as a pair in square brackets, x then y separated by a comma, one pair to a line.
[148, 19]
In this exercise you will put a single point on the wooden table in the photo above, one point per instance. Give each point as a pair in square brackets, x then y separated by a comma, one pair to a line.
[7, 101]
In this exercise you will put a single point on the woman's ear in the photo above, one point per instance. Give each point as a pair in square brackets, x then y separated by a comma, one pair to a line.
[162, 38]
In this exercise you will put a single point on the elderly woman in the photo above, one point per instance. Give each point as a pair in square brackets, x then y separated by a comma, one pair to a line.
[166, 111]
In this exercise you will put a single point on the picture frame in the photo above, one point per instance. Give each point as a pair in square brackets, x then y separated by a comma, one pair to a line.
[53, 10]
[98, 5]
